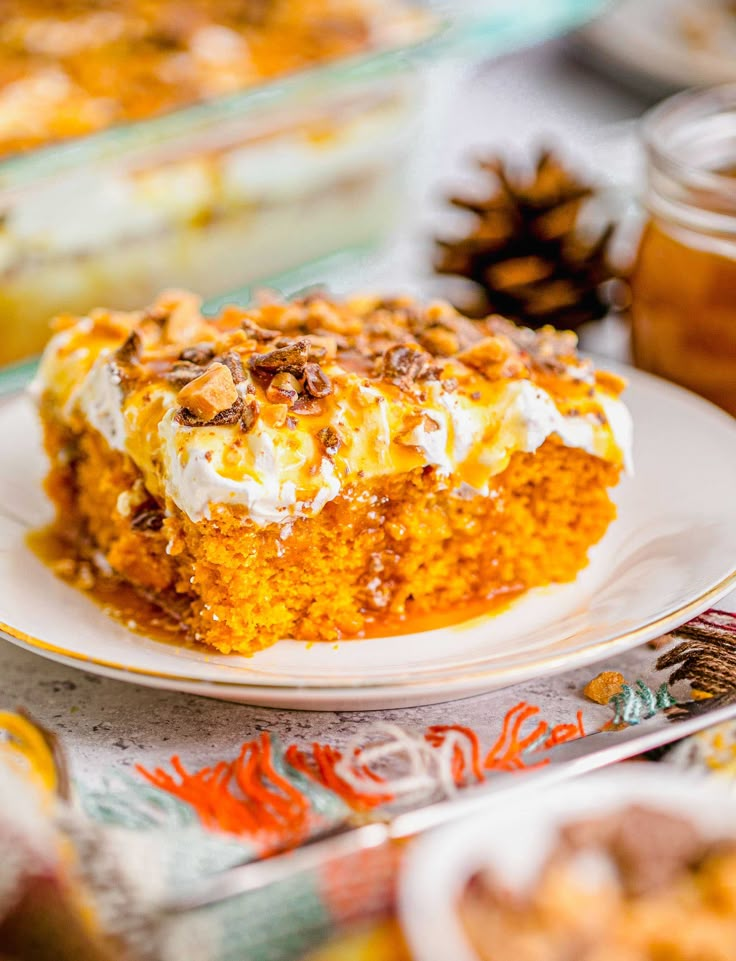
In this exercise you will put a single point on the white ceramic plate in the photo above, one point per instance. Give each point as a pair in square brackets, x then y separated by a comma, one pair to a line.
[670, 554]
[516, 834]
[663, 45]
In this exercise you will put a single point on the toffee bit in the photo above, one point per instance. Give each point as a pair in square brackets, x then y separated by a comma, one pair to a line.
[209, 394]
[283, 389]
[150, 520]
[440, 340]
[184, 320]
[182, 373]
[130, 351]
[186, 418]
[317, 351]
[494, 357]
[330, 440]
[157, 315]
[307, 406]
[486, 354]
[249, 416]
[322, 347]
[290, 359]
[199, 354]
[261, 334]
[432, 372]
[275, 415]
[401, 364]
[230, 415]
[234, 364]
[316, 381]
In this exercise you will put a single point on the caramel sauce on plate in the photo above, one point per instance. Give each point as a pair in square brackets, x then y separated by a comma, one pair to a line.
[412, 622]
[114, 596]
[126, 605]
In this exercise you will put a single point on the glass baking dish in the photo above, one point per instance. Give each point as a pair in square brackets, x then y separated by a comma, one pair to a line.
[224, 193]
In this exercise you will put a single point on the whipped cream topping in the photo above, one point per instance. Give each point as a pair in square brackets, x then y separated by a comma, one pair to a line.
[271, 476]
[279, 471]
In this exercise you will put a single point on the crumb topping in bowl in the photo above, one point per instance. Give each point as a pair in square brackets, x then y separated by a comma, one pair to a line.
[640, 884]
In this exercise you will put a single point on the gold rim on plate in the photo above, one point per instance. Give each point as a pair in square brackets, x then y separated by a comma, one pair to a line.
[576, 658]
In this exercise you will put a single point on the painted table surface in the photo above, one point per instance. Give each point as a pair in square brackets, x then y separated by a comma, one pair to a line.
[107, 725]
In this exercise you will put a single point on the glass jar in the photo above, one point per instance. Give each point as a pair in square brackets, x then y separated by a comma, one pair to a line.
[684, 279]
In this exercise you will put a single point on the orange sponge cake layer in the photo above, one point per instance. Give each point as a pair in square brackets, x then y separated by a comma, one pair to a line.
[416, 463]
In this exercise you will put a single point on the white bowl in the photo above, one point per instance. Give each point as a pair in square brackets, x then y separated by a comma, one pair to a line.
[516, 834]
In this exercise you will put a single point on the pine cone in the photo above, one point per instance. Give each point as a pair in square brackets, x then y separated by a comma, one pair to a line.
[525, 252]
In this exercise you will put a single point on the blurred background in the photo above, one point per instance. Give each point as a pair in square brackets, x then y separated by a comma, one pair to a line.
[441, 148]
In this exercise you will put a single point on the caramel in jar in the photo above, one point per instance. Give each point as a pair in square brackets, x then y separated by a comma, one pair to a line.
[684, 311]
[683, 292]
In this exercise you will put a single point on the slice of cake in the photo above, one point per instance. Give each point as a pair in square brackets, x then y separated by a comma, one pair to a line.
[315, 469]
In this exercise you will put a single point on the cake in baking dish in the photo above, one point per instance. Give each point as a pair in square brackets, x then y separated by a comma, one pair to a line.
[68, 69]
[311, 469]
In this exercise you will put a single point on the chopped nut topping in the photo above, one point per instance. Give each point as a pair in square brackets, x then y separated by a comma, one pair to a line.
[183, 373]
[150, 519]
[209, 394]
[316, 381]
[280, 352]
[275, 415]
[402, 364]
[494, 357]
[322, 346]
[430, 425]
[184, 319]
[330, 440]
[440, 340]
[290, 359]
[431, 372]
[647, 846]
[110, 323]
[199, 354]
[251, 410]
[260, 334]
[283, 389]
[487, 352]
[229, 416]
[407, 438]
[307, 406]
[130, 350]
[156, 314]
[610, 382]
[234, 364]
[436, 317]
[325, 315]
